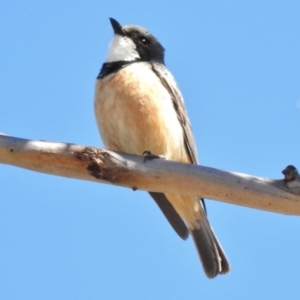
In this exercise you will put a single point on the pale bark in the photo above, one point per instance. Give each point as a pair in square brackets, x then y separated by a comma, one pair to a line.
[100, 165]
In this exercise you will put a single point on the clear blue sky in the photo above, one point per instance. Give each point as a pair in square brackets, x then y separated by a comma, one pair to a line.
[238, 66]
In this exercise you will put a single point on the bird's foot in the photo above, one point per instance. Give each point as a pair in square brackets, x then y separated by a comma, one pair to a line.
[148, 155]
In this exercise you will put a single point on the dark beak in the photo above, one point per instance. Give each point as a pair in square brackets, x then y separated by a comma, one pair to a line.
[117, 27]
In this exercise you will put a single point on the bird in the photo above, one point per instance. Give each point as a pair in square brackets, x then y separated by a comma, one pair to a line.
[140, 109]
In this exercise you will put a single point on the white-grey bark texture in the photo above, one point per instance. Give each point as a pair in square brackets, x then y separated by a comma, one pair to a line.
[156, 175]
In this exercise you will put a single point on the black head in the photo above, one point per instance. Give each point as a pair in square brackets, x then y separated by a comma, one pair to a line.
[146, 45]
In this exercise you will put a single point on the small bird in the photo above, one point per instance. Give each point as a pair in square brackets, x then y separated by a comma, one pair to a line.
[139, 108]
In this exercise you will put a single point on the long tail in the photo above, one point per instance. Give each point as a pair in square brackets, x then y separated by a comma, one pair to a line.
[212, 256]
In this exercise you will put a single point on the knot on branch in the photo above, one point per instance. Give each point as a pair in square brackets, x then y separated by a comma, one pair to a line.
[290, 174]
[100, 163]
[292, 179]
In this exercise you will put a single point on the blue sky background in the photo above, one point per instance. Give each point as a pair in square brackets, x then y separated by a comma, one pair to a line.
[238, 66]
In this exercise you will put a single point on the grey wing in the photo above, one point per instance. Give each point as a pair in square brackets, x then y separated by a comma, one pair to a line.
[166, 207]
[210, 251]
[171, 214]
[170, 84]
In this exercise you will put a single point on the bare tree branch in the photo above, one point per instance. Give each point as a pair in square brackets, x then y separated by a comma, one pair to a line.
[100, 165]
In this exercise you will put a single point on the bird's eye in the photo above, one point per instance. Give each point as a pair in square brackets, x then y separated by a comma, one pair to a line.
[144, 41]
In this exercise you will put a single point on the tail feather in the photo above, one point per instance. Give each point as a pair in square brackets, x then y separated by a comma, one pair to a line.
[211, 254]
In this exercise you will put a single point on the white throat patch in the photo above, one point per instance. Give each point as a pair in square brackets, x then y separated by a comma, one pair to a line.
[121, 48]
